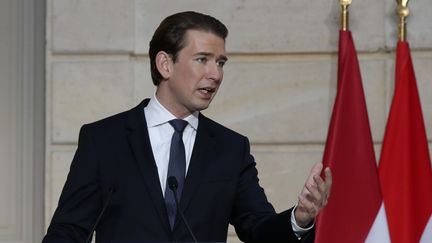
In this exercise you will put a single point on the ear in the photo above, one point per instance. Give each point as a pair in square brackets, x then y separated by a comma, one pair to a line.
[164, 64]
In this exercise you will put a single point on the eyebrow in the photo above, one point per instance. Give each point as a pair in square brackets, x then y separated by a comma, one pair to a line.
[209, 54]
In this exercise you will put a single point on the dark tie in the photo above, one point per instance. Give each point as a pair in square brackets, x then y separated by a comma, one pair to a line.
[176, 167]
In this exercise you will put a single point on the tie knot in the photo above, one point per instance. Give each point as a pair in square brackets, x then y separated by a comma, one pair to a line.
[178, 125]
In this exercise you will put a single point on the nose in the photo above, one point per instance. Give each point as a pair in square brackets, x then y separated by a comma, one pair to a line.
[215, 72]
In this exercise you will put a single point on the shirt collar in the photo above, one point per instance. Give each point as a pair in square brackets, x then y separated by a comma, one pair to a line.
[157, 114]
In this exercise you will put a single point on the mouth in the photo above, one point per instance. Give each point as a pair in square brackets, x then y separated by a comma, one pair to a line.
[207, 90]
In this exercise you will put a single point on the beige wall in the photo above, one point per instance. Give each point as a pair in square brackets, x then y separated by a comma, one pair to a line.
[279, 83]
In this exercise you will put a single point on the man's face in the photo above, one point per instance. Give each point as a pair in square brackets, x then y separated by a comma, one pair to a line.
[196, 75]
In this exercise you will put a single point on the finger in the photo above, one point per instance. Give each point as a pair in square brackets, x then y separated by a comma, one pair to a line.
[322, 192]
[328, 176]
[313, 195]
[320, 184]
[318, 193]
[308, 196]
[315, 170]
[328, 180]
[313, 192]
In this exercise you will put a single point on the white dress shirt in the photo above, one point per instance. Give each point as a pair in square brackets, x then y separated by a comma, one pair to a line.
[160, 133]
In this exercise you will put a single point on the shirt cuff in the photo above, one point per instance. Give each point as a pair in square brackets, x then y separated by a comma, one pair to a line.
[299, 231]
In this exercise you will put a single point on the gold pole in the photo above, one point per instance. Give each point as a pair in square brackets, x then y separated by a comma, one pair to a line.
[402, 11]
[344, 14]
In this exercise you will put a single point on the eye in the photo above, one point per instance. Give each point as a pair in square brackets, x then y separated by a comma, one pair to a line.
[202, 60]
[221, 63]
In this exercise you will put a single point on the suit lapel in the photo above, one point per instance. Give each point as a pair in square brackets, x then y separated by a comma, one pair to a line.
[140, 143]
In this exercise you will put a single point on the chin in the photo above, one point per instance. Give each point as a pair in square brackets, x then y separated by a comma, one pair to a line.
[201, 107]
[201, 104]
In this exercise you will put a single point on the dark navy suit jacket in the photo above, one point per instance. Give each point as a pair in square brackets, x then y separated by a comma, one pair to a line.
[114, 159]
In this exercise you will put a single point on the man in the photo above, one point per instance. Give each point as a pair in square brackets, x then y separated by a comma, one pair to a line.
[128, 166]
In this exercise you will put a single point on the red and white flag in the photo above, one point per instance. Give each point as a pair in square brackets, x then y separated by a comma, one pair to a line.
[405, 167]
[354, 212]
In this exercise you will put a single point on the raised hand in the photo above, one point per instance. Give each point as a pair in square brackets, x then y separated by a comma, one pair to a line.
[314, 195]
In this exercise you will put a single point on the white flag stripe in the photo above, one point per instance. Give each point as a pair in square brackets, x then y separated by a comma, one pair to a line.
[379, 231]
[427, 233]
